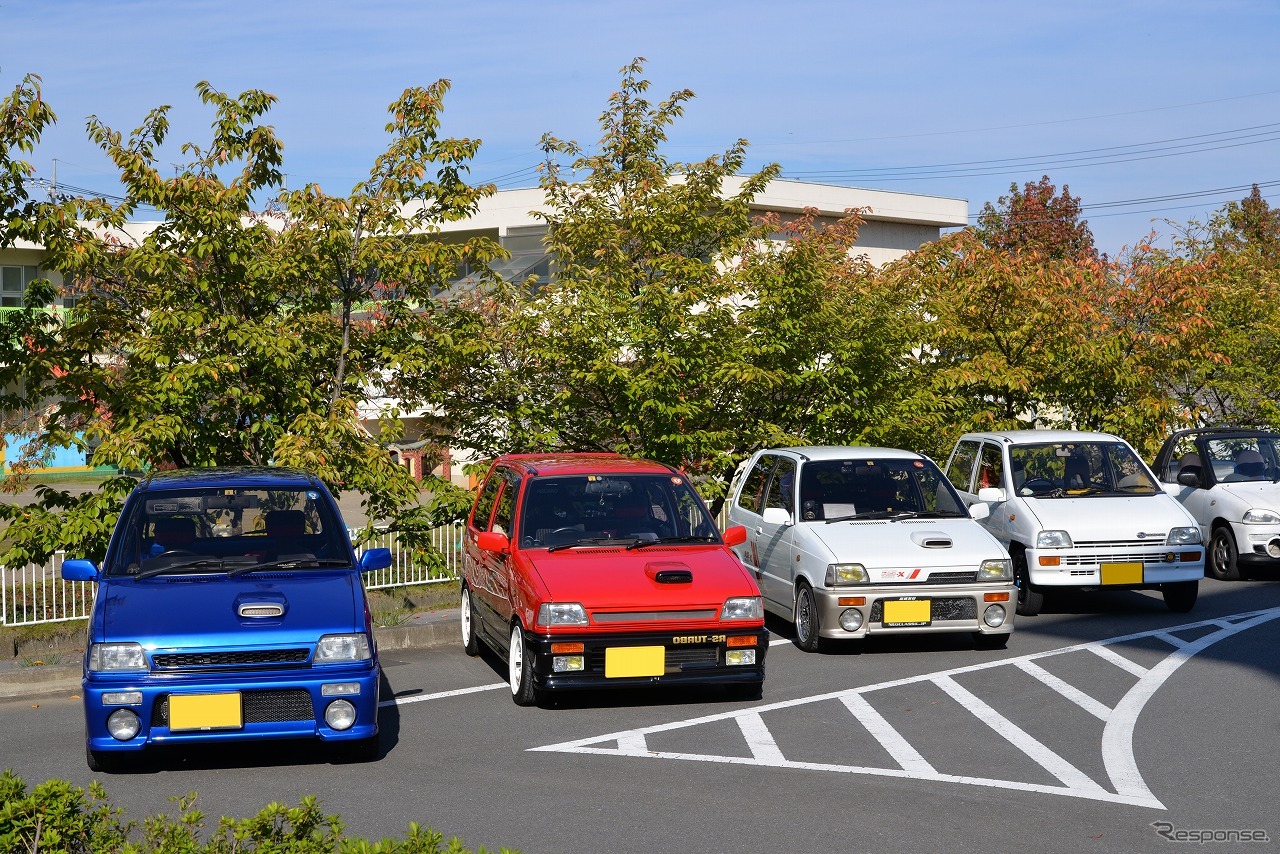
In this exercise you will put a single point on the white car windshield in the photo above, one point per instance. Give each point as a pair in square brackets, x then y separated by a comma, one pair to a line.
[832, 490]
[1078, 470]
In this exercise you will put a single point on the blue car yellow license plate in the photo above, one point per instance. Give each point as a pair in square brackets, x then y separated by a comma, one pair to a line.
[205, 711]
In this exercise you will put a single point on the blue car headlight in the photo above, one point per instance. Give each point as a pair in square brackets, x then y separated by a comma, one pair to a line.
[352, 647]
[110, 657]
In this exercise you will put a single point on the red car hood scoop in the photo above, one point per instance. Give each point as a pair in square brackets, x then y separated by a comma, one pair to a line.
[669, 572]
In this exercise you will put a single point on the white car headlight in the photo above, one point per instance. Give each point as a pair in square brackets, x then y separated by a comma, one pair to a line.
[996, 569]
[1262, 517]
[846, 573]
[354, 647]
[1185, 536]
[1053, 540]
[561, 614]
[743, 608]
[117, 656]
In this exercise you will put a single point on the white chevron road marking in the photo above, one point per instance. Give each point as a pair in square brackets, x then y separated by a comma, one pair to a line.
[1127, 785]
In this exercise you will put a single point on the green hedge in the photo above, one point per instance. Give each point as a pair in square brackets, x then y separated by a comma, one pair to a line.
[59, 818]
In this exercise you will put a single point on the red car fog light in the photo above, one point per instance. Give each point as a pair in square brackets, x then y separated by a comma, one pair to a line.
[567, 648]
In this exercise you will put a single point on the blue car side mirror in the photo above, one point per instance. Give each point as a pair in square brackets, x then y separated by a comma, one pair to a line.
[375, 559]
[79, 570]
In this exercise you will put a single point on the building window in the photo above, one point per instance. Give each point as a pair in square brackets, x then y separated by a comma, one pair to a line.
[13, 283]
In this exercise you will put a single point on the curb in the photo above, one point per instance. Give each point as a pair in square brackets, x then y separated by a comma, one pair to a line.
[425, 631]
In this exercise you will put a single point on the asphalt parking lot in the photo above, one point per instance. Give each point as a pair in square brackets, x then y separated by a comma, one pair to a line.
[1105, 715]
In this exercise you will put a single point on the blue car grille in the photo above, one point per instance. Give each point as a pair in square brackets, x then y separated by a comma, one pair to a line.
[258, 707]
[220, 659]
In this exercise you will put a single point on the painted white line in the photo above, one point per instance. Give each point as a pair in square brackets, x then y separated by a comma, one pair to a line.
[1119, 660]
[779, 640]
[1117, 735]
[1116, 746]
[439, 695]
[1071, 692]
[890, 739]
[763, 748]
[1040, 753]
[1176, 643]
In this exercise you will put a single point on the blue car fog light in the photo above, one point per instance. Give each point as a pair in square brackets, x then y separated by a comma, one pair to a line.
[122, 698]
[340, 714]
[123, 724]
[340, 689]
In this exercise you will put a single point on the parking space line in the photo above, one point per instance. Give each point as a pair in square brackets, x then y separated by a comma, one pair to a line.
[1071, 692]
[1176, 642]
[439, 695]
[1116, 743]
[1119, 660]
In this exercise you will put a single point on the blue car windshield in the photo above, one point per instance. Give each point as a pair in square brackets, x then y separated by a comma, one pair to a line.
[227, 529]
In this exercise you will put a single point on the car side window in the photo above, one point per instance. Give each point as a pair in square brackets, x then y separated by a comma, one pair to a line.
[960, 472]
[782, 486]
[991, 468]
[752, 493]
[488, 495]
[505, 510]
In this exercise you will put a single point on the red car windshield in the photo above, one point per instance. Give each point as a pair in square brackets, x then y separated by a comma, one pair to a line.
[559, 511]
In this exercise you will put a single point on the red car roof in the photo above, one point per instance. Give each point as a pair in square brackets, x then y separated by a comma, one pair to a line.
[585, 463]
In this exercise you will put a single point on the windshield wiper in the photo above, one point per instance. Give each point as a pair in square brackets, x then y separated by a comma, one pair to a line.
[639, 544]
[293, 562]
[585, 541]
[182, 566]
[876, 514]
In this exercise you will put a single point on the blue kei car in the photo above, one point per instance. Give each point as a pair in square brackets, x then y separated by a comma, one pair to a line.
[229, 608]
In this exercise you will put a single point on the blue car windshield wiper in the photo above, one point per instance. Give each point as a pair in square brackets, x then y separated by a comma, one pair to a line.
[289, 563]
[183, 566]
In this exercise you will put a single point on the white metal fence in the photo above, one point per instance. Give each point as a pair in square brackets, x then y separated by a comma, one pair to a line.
[37, 593]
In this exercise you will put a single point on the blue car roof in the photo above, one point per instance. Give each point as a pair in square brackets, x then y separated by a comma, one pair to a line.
[229, 477]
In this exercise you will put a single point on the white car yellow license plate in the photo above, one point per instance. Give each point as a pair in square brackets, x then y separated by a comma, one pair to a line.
[907, 612]
[1121, 573]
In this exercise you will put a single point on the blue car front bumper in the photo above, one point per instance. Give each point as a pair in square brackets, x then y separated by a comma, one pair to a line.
[272, 705]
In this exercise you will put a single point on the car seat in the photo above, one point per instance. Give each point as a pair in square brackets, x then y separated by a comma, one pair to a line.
[174, 533]
[1249, 466]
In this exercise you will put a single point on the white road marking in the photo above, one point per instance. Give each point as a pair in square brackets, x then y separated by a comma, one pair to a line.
[1071, 692]
[1116, 743]
[439, 695]
[1119, 660]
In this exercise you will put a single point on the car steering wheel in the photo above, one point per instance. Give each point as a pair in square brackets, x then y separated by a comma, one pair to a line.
[1039, 484]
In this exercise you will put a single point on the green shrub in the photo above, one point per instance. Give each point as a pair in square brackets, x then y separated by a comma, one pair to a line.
[58, 818]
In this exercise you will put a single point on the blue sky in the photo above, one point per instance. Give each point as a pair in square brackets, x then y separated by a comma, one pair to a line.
[1125, 102]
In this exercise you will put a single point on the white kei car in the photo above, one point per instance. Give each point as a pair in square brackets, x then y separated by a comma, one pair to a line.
[1228, 478]
[850, 541]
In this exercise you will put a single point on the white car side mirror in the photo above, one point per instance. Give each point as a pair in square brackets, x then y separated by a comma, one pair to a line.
[991, 495]
[979, 511]
[776, 516]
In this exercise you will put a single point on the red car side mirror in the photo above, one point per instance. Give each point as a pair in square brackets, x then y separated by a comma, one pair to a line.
[735, 536]
[492, 541]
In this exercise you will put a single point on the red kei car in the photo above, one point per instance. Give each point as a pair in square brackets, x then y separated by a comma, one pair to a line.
[594, 570]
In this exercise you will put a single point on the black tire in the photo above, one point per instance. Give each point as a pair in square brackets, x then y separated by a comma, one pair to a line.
[982, 641]
[1181, 596]
[102, 762]
[520, 670]
[808, 624]
[1030, 599]
[1222, 561]
[467, 617]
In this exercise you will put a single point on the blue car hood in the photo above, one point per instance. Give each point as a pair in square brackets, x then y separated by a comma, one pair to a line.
[184, 611]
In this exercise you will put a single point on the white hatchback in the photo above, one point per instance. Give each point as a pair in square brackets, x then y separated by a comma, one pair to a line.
[848, 541]
[1079, 510]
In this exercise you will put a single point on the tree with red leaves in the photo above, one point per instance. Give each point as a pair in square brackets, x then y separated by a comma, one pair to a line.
[1038, 219]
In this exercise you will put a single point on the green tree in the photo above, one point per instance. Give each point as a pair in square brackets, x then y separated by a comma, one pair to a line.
[229, 335]
[679, 327]
[1037, 218]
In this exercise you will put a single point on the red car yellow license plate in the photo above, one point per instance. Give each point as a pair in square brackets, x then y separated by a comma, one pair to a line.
[205, 711]
[634, 661]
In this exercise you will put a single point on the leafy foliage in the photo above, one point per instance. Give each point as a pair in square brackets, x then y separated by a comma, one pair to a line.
[58, 818]
[228, 336]
[1035, 219]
